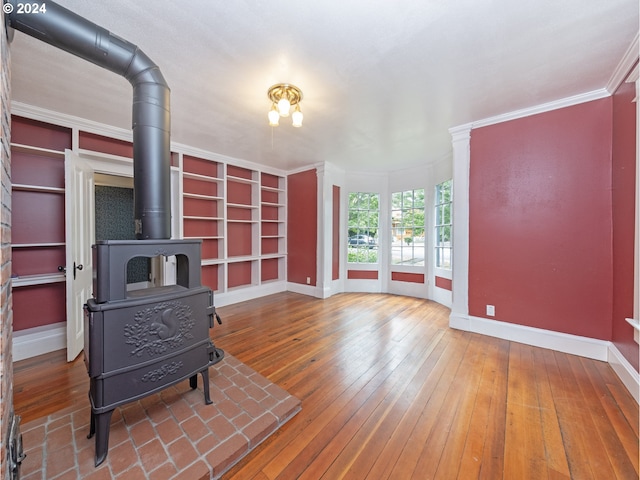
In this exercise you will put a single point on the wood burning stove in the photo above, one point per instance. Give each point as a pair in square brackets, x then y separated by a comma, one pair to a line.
[140, 342]
[136, 343]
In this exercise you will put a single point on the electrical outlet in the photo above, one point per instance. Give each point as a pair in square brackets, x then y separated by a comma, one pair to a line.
[491, 310]
[308, 280]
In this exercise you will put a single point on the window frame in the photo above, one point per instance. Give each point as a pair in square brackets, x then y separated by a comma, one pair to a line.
[443, 229]
[406, 209]
[362, 209]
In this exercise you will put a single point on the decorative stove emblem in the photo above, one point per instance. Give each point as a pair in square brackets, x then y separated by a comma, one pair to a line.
[163, 327]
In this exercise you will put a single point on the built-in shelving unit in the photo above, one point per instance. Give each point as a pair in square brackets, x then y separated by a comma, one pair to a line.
[239, 213]
[272, 227]
[38, 236]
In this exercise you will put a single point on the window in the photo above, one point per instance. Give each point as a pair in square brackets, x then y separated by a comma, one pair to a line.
[363, 227]
[407, 227]
[443, 245]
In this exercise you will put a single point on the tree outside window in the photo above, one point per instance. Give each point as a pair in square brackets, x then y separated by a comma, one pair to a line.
[364, 213]
[407, 227]
[443, 245]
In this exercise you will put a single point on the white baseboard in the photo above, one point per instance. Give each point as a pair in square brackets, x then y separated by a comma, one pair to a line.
[310, 290]
[248, 293]
[562, 342]
[538, 337]
[39, 340]
[625, 371]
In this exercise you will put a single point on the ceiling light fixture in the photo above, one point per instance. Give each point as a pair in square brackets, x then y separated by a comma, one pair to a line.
[283, 96]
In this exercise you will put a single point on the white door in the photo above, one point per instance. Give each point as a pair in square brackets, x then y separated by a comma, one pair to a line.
[79, 232]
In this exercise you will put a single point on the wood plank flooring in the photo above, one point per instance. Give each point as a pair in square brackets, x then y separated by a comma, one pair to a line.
[388, 390]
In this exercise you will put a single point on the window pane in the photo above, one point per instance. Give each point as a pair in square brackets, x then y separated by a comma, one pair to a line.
[407, 232]
[363, 227]
[442, 250]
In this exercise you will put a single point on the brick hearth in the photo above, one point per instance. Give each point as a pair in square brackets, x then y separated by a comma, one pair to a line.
[169, 435]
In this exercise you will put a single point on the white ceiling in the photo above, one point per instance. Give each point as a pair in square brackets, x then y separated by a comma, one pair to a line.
[383, 80]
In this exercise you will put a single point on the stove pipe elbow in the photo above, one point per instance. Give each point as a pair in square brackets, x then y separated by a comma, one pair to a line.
[151, 119]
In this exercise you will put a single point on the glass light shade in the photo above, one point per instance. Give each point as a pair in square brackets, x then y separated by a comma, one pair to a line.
[274, 116]
[284, 106]
[296, 117]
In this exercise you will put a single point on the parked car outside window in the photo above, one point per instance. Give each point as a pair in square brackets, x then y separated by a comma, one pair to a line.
[365, 240]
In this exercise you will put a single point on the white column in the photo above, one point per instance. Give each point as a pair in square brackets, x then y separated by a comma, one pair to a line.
[461, 137]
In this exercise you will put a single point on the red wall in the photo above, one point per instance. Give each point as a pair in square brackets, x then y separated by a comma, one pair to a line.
[540, 220]
[302, 226]
[623, 197]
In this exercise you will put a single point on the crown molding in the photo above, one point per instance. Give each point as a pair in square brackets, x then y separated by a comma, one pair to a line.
[628, 60]
[545, 107]
[70, 121]
[85, 125]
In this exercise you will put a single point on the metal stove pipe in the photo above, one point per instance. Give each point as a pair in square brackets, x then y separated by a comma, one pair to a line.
[72, 33]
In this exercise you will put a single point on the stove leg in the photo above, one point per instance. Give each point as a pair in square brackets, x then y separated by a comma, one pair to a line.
[205, 386]
[193, 382]
[100, 423]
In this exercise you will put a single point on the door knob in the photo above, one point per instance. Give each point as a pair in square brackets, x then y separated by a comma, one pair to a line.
[76, 267]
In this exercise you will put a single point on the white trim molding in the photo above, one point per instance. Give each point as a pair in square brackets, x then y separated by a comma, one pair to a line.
[39, 340]
[627, 374]
[602, 350]
[545, 107]
[461, 139]
[538, 337]
[623, 68]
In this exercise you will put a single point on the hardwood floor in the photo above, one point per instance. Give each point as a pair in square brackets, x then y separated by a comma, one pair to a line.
[388, 390]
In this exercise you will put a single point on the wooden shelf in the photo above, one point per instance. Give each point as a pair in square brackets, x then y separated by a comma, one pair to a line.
[232, 178]
[31, 245]
[36, 188]
[200, 196]
[204, 178]
[192, 217]
[241, 205]
[18, 147]
[29, 280]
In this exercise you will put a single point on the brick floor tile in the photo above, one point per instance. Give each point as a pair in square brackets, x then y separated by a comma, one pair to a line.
[227, 453]
[255, 392]
[183, 453]
[101, 473]
[251, 407]
[142, 432]
[229, 409]
[241, 420]
[122, 457]
[207, 444]
[170, 435]
[133, 413]
[222, 427]
[68, 475]
[63, 421]
[134, 473]
[158, 412]
[63, 460]
[181, 410]
[276, 391]
[235, 394]
[152, 455]
[33, 438]
[118, 433]
[168, 431]
[164, 471]
[286, 408]
[197, 471]
[195, 429]
[260, 428]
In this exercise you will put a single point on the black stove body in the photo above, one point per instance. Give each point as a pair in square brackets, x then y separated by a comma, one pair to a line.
[140, 342]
